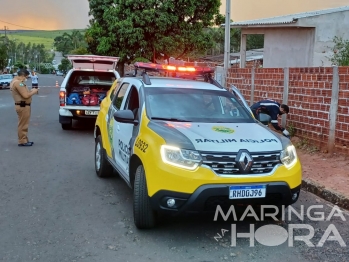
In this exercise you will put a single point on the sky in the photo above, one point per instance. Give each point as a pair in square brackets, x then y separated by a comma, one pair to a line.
[242, 10]
[73, 14]
[44, 14]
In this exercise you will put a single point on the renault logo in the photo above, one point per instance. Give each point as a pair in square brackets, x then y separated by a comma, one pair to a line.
[244, 161]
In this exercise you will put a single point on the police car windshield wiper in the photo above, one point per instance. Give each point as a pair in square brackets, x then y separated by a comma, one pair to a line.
[170, 119]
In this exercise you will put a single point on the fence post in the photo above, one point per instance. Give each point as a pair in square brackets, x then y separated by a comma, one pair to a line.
[252, 86]
[285, 94]
[333, 110]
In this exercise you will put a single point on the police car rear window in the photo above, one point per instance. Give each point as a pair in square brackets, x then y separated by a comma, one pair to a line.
[195, 105]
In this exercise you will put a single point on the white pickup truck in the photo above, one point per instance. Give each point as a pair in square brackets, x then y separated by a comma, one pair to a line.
[85, 86]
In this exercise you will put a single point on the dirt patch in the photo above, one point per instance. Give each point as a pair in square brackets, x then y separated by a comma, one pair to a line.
[330, 171]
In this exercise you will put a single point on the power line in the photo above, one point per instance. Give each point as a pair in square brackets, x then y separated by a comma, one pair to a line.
[19, 25]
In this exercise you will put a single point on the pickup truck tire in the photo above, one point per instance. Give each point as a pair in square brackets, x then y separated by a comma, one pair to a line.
[67, 126]
[102, 165]
[144, 216]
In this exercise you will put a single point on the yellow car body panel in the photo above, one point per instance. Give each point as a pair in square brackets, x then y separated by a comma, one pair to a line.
[101, 118]
[163, 176]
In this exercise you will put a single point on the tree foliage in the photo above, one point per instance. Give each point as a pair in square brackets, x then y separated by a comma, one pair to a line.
[28, 53]
[151, 29]
[79, 51]
[65, 65]
[340, 52]
[3, 55]
[66, 43]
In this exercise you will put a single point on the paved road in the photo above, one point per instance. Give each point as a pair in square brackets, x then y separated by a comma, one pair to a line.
[54, 208]
[58, 57]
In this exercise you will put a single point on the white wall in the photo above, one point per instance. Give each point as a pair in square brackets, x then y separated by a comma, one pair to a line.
[288, 47]
[327, 27]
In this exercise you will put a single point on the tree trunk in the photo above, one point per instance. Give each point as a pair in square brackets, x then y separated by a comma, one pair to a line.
[121, 69]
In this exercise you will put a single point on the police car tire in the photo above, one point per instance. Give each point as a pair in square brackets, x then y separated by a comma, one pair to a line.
[106, 169]
[144, 216]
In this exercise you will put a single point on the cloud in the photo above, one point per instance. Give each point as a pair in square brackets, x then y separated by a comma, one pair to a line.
[242, 10]
[45, 14]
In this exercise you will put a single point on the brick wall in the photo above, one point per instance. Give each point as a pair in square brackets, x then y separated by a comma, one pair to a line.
[309, 98]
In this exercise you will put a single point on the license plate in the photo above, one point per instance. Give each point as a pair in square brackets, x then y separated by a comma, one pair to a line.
[238, 192]
[91, 113]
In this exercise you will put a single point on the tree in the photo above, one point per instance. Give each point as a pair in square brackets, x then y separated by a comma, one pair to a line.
[3, 56]
[68, 42]
[79, 51]
[65, 65]
[340, 52]
[150, 29]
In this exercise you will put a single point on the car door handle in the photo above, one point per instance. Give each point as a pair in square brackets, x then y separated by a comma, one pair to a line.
[118, 127]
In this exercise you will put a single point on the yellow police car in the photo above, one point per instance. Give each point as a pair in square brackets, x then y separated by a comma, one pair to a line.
[187, 146]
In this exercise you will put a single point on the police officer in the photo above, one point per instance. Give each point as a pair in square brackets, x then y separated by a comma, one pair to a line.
[22, 98]
[273, 109]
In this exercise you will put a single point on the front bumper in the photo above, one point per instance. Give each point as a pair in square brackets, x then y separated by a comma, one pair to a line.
[207, 197]
[4, 85]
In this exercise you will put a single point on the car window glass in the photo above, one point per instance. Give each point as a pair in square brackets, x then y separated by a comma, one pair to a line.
[132, 102]
[195, 105]
[120, 95]
[116, 89]
[230, 108]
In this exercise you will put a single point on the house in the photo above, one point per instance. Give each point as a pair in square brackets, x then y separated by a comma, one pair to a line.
[254, 57]
[297, 40]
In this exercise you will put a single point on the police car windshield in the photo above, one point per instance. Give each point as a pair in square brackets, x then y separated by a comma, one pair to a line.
[195, 105]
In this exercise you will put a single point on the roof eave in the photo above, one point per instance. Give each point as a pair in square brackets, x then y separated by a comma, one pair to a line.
[261, 24]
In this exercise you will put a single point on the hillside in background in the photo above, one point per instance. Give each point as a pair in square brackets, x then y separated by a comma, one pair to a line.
[35, 37]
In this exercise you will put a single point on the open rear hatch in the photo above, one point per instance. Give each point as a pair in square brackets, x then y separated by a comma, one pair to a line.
[94, 62]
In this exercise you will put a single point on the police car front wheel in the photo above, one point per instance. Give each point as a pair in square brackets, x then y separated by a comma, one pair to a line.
[102, 166]
[143, 214]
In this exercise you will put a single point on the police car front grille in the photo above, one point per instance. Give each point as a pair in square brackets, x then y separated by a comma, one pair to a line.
[225, 164]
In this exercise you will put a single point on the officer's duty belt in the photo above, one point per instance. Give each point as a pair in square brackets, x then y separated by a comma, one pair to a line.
[18, 104]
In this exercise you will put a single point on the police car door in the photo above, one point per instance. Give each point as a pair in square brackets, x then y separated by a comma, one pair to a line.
[114, 126]
[125, 131]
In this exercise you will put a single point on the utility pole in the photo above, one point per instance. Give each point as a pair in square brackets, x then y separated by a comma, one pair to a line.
[227, 63]
[5, 31]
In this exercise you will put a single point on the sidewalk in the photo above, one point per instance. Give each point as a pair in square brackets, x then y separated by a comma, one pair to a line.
[326, 176]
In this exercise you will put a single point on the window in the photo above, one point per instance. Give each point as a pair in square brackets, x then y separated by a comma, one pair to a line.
[87, 78]
[132, 100]
[195, 105]
[114, 91]
[120, 96]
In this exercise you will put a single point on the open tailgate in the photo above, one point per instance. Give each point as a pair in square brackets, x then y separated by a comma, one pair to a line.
[95, 62]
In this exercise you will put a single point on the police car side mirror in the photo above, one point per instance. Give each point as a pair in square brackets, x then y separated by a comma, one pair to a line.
[264, 119]
[125, 116]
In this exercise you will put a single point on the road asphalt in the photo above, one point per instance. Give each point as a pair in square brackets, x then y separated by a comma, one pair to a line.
[53, 207]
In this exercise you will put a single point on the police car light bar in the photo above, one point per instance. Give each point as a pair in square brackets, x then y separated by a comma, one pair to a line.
[158, 67]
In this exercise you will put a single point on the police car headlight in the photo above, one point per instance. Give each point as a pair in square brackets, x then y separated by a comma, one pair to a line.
[178, 157]
[288, 156]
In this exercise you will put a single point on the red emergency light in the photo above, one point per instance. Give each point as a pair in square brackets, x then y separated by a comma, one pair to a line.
[188, 69]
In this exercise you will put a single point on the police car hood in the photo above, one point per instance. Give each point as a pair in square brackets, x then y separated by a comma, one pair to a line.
[220, 137]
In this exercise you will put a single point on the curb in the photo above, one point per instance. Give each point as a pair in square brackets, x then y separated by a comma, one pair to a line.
[327, 194]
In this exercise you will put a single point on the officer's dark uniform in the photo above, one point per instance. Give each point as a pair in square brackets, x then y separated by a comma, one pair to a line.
[270, 108]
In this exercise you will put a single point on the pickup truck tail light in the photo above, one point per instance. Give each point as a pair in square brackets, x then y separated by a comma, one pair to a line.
[62, 98]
